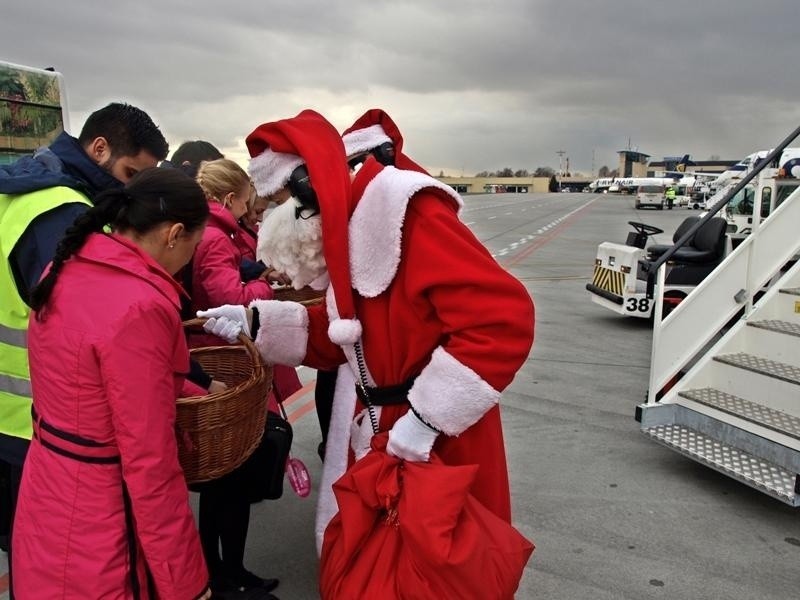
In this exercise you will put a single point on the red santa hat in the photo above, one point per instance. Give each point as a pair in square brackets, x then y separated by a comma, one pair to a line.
[277, 148]
[370, 130]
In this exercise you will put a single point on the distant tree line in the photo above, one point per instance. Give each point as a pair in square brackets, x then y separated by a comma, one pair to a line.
[604, 171]
[509, 172]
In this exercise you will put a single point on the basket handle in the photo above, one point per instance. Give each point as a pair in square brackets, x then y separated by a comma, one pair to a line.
[258, 362]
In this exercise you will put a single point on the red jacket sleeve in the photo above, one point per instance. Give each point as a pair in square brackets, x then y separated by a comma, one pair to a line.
[321, 353]
[139, 365]
[216, 271]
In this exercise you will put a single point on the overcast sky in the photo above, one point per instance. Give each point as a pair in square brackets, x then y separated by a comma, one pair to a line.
[473, 85]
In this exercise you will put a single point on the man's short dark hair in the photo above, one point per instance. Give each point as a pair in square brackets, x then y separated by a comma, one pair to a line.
[127, 129]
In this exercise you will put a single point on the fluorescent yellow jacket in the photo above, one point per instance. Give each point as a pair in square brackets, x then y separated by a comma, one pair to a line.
[17, 211]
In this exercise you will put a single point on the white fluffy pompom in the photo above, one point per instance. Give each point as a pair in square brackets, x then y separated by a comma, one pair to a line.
[344, 331]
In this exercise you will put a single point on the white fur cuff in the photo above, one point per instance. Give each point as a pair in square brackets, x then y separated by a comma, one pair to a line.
[282, 337]
[270, 170]
[449, 395]
[362, 140]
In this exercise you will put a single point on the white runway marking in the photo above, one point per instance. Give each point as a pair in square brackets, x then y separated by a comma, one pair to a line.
[532, 236]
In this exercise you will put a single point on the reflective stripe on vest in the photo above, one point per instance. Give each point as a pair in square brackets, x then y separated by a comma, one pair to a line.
[16, 214]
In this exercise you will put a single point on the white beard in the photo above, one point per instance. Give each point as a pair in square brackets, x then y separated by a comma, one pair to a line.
[292, 246]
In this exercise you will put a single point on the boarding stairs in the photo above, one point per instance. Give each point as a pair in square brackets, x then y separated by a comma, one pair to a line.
[725, 367]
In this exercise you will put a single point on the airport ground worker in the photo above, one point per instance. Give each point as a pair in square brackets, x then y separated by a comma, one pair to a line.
[670, 195]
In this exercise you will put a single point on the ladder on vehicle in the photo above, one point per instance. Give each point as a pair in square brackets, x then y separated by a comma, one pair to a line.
[725, 369]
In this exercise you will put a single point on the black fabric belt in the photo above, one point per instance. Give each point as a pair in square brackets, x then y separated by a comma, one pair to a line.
[71, 445]
[386, 395]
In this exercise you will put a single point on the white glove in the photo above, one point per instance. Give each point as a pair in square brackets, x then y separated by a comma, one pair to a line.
[411, 439]
[361, 433]
[226, 321]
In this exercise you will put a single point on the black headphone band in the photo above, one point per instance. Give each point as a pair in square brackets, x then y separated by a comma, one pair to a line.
[384, 154]
[299, 185]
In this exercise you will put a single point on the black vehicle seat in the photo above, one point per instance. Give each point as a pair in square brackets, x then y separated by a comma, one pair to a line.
[656, 250]
[708, 245]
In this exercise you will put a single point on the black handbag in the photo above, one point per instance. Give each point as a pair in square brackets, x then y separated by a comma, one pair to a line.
[275, 448]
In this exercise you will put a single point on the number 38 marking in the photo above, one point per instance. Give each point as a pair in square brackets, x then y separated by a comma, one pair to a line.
[638, 305]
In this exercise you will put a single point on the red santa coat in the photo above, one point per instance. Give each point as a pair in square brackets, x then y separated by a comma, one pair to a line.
[433, 305]
[107, 365]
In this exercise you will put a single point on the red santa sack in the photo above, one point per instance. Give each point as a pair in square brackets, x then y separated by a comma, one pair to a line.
[412, 530]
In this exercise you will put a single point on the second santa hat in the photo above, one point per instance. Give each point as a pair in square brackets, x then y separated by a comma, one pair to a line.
[370, 130]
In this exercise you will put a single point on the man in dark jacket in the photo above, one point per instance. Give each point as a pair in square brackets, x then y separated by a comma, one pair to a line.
[40, 197]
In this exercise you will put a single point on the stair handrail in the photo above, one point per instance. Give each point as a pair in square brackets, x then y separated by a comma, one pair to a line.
[659, 375]
[757, 168]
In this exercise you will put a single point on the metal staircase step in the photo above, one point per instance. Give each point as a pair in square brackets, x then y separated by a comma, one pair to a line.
[755, 472]
[777, 326]
[763, 366]
[792, 291]
[776, 420]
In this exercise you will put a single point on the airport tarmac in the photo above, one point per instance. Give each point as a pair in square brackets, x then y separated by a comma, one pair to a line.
[613, 515]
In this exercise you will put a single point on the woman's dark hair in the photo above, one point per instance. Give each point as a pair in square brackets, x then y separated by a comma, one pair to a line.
[189, 155]
[152, 197]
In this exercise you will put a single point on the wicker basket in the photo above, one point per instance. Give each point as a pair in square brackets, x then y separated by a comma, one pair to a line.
[306, 295]
[218, 432]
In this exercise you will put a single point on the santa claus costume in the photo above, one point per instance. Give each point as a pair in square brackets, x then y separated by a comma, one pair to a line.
[417, 309]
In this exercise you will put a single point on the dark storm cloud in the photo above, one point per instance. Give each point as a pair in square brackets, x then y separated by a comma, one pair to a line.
[474, 85]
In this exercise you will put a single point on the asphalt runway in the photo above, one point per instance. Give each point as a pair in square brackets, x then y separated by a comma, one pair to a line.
[613, 515]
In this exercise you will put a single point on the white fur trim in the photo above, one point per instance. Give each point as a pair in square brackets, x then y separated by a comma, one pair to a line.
[270, 170]
[344, 331]
[282, 337]
[321, 283]
[451, 396]
[336, 449]
[362, 140]
[376, 226]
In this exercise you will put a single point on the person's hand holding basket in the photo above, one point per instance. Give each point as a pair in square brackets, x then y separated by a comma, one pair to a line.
[227, 321]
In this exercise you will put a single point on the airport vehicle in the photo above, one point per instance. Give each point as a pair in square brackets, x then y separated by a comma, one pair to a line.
[620, 279]
[33, 109]
[724, 387]
[650, 195]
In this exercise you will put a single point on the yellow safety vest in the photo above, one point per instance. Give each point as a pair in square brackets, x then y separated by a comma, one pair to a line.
[17, 211]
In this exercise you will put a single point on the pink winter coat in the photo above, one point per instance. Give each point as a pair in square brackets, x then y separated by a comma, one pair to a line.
[215, 268]
[102, 487]
[216, 281]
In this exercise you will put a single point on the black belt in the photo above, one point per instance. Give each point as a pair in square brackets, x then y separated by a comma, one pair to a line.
[71, 445]
[385, 395]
